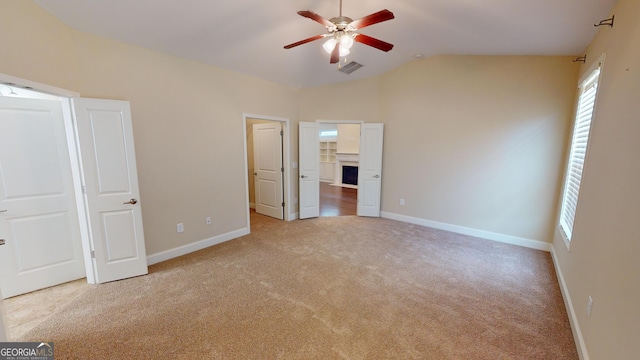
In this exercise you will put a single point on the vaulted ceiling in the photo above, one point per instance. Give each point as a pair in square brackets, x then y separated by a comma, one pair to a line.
[248, 36]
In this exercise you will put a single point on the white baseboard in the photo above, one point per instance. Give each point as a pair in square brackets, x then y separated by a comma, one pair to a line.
[199, 245]
[573, 318]
[488, 235]
[293, 216]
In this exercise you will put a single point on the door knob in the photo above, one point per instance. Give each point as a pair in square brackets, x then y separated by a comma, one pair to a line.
[376, 176]
[1, 211]
[2, 242]
[132, 202]
[303, 176]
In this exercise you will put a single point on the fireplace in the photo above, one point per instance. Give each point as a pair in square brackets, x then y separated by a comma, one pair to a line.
[350, 175]
[349, 162]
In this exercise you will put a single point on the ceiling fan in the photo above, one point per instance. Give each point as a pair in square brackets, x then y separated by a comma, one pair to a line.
[342, 32]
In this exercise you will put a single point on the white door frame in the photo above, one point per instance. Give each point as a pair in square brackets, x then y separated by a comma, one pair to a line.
[340, 121]
[288, 216]
[4, 331]
[72, 144]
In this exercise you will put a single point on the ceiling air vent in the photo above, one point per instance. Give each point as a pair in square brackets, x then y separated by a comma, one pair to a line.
[350, 67]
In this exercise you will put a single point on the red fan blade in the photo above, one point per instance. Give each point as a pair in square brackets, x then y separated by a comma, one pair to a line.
[313, 38]
[335, 54]
[380, 16]
[315, 17]
[378, 44]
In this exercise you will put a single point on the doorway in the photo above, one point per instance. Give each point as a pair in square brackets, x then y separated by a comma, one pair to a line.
[339, 148]
[267, 163]
[70, 234]
[368, 160]
[39, 217]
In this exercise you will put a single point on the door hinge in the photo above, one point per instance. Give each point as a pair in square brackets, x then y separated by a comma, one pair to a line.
[93, 254]
[283, 204]
[281, 133]
[281, 169]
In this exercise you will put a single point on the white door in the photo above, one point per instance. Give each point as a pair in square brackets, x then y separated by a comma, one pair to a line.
[268, 170]
[309, 185]
[38, 213]
[4, 332]
[105, 136]
[370, 170]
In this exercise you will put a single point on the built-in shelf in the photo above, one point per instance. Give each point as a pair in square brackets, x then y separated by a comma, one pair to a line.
[327, 160]
[328, 151]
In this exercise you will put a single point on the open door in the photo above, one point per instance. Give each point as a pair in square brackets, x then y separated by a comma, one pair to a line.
[40, 241]
[110, 184]
[370, 169]
[309, 181]
[268, 169]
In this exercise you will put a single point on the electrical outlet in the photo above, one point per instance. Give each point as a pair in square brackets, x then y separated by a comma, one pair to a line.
[589, 306]
[180, 227]
[402, 202]
[208, 220]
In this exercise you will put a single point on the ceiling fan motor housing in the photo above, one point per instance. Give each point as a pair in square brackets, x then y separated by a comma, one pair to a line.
[341, 22]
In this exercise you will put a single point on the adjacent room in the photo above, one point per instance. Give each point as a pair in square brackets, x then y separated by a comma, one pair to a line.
[320, 179]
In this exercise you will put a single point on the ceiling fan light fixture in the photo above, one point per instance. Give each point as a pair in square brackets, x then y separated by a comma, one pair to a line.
[346, 41]
[329, 45]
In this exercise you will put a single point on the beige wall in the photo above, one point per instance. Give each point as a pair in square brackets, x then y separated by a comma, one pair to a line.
[477, 141]
[352, 100]
[187, 118]
[604, 260]
[472, 141]
[348, 141]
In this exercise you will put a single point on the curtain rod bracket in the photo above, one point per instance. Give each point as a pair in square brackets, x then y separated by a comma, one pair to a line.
[605, 22]
[582, 59]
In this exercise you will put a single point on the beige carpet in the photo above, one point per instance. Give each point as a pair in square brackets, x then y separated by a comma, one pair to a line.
[327, 288]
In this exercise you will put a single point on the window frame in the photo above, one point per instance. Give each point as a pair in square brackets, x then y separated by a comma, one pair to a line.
[589, 79]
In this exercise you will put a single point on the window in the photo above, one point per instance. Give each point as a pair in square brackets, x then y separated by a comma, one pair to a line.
[579, 141]
[328, 133]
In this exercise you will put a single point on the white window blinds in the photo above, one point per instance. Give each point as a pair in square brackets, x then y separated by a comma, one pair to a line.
[579, 140]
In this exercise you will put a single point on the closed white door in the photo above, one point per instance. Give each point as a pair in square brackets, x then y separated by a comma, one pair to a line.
[370, 169]
[268, 170]
[38, 213]
[105, 135]
[309, 181]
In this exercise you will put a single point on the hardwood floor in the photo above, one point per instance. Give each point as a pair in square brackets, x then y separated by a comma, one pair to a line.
[337, 201]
